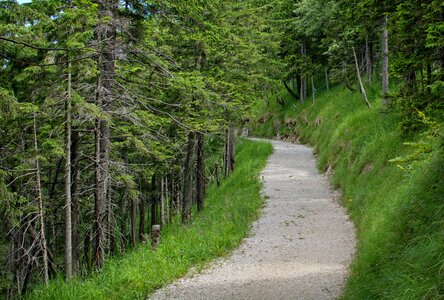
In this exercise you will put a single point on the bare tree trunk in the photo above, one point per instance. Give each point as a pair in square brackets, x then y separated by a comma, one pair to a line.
[167, 201]
[361, 85]
[313, 89]
[11, 262]
[171, 198]
[326, 80]
[68, 221]
[75, 203]
[385, 63]
[133, 222]
[302, 82]
[40, 206]
[106, 32]
[216, 174]
[98, 232]
[289, 90]
[162, 201]
[111, 232]
[429, 77]
[226, 153]
[232, 148]
[188, 179]
[86, 248]
[200, 171]
[154, 201]
[368, 60]
[142, 219]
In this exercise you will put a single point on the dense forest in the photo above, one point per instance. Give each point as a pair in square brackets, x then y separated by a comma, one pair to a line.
[116, 115]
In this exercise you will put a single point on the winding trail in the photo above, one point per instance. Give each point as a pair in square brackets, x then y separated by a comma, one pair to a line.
[300, 248]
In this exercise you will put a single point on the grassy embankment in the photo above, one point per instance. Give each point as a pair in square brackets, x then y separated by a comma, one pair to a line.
[399, 213]
[226, 220]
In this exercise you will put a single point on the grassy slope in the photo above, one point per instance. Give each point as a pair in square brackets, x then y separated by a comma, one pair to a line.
[399, 214]
[225, 221]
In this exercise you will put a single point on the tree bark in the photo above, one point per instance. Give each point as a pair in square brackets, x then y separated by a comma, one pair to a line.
[106, 32]
[313, 89]
[361, 85]
[142, 219]
[68, 199]
[385, 63]
[188, 179]
[133, 222]
[40, 207]
[429, 77]
[162, 201]
[154, 219]
[290, 91]
[232, 149]
[368, 60]
[200, 171]
[226, 153]
[326, 80]
[75, 202]
[11, 261]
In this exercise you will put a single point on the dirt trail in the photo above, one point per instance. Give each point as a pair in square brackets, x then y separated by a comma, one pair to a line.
[300, 248]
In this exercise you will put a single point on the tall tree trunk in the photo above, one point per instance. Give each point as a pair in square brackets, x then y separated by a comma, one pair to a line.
[361, 85]
[368, 59]
[86, 248]
[106, 32]
[68, 221]
[313, 89]
[302, 75]
[200, 171]
[99, 206]
[227, 153]
[167, 201]
[11, 262]
[232, 152]
[171, 198]
[385, 63]
[40, 206]
[111, 224]
[326, 80]
[154, 200]
[133, 222]
[177, 194]
[162, 201]
[52, 189]
[429, 77]
[142, 219]
[75, 202]
[188, 179]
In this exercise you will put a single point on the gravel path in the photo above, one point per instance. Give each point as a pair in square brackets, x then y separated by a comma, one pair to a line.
[300, 248]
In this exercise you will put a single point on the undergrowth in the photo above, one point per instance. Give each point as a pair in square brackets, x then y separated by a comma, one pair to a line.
[392, 184]
[223, 224]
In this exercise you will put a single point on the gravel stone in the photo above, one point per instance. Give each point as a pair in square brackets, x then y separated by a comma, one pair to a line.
[300, 248]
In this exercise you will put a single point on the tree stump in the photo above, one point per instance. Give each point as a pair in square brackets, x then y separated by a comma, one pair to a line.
[155, 236]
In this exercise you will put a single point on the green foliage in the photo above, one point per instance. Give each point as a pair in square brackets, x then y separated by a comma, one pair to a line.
[219, 228]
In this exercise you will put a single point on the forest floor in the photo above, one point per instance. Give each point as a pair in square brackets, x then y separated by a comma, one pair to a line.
[300, 248]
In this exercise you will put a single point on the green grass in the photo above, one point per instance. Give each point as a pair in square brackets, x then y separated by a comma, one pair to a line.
[223, 224]
[399, 214]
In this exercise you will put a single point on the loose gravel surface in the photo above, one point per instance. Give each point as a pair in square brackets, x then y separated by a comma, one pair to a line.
[300, 248]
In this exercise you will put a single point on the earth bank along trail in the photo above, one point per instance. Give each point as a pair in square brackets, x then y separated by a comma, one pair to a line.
[300, 248]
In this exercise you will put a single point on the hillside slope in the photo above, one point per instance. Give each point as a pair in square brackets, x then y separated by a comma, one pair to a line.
[392, 183]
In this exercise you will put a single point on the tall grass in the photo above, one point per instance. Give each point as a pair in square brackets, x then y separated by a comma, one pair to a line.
[399, 212]
[226, 220]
